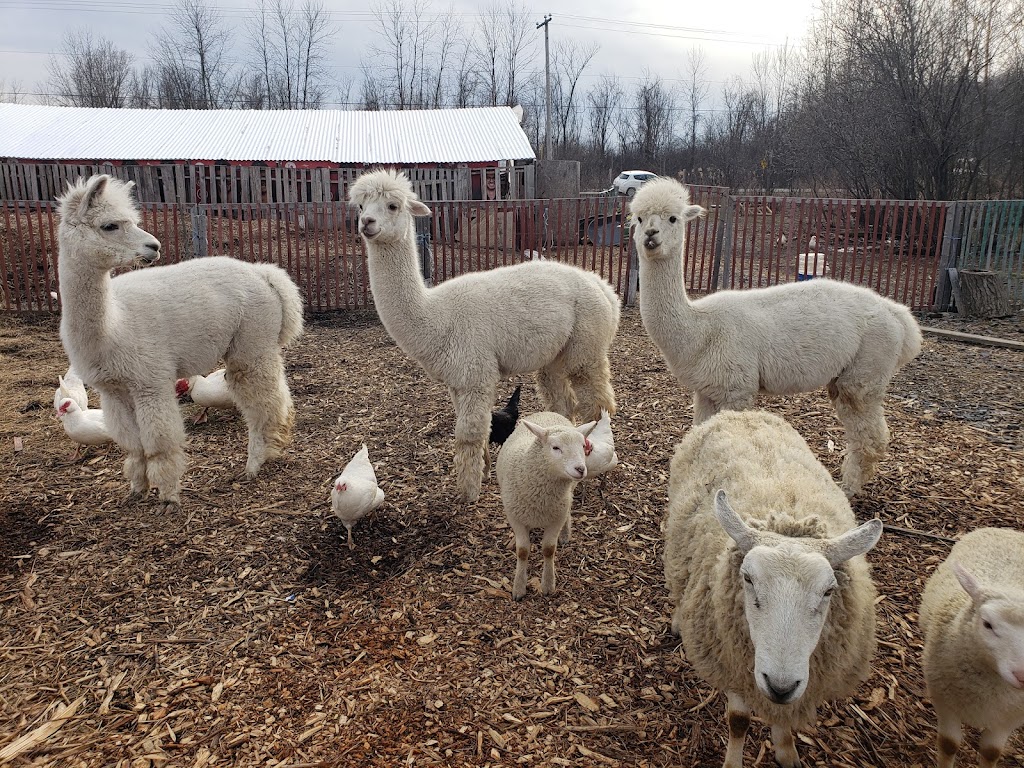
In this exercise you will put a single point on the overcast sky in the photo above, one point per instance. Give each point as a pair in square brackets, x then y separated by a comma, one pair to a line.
[632, 35]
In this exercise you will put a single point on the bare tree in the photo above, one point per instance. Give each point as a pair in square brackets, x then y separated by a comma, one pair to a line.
[505, 48]
[653, 104]
[604, 100]
[400, 58]
[11, 93]
[191, 55]
[89, 72]
[697, 88]
[570, 59]
[289, 52]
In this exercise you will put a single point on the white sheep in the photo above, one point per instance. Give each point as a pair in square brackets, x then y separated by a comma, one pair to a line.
[972, 618]
[799, 337]
[472, 331]
[132, 336]
[537, 469]
[774, 603]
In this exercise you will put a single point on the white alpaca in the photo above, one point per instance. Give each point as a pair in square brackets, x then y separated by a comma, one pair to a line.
[132, 336]
[791, 338]
[477, 329]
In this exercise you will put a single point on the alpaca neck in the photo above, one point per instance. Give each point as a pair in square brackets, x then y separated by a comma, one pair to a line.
[86, 307]
[402, 300]
[669, 317]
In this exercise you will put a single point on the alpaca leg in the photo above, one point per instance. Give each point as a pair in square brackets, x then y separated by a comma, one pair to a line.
[522, 556]
[703, 408]
[119, 419]
[738, 716]
[549, 545]
[593, 388]
[785, 747]
[472, 427]
[261, 392]
[867, 436]
[554, 389]
[163, 438]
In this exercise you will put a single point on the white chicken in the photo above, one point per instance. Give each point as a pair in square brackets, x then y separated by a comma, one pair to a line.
[210, 391]
[355, 492]
[84, 426]
[71, 385]
[600, 448]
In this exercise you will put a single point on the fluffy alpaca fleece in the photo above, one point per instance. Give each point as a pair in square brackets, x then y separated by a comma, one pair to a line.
[472, 331]
[974, 672]
[799, 337]
[132, 336]
[780, 489]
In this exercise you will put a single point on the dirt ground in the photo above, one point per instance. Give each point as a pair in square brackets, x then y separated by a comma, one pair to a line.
[241, 631]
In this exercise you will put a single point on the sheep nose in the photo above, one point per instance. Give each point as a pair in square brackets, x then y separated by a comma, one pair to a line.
[1019, 675]
[780, 691]
[580, 470]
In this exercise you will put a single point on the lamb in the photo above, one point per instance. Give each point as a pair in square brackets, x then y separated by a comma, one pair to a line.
[774, 604]
[132, 336]
[972, 618]
[472, 331]
[537, 469]
[791, 338]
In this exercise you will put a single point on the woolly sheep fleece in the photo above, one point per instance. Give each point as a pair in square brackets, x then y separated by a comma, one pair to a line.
[960, 676]
[775, 483]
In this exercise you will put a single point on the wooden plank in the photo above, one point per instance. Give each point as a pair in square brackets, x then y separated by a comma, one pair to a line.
[971, 338]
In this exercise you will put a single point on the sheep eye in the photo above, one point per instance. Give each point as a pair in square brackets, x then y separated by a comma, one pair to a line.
[987, 625]
[829, 592]
[109, 227]
[556, 449]
[746, 578]
[672, 219]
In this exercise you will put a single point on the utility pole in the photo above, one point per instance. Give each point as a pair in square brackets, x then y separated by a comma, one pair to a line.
[547, 87]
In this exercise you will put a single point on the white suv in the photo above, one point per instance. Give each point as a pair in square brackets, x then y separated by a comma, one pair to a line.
[628, 182]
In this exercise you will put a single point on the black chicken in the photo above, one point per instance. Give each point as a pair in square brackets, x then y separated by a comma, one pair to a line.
[503, 420]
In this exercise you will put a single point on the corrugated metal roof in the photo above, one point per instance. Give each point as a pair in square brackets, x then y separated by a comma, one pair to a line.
[36, 132]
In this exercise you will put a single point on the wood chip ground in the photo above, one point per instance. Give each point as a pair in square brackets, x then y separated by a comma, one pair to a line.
[242, 632]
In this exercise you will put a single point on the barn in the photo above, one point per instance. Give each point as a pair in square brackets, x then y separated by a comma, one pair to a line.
[190, 157]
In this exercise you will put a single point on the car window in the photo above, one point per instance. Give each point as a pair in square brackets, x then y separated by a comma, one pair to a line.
[624, 176]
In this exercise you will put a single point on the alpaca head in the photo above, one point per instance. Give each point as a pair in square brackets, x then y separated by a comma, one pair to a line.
[660, 210]
[387, 206]
[100, 214]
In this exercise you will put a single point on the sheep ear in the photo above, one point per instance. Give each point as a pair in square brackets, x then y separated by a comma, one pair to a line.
[733, 524]
[539, 431]
[586, 429]
[94, 190]
[852, 543]
[417, 208]
[968, 582]
[693, 212]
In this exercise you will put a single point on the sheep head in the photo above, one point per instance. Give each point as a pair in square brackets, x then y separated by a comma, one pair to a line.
[660, 210]
[999, 624]
[100, 214]
[563, 447]
[387, 205]
[787, 586]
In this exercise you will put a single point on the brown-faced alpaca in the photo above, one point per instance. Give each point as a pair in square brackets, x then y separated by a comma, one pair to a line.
[474, 330]
[132, 336]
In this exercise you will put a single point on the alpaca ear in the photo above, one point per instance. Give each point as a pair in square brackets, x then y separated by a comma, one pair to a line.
[733, 524]
[417, 208]
[693, 212]
[95, 188]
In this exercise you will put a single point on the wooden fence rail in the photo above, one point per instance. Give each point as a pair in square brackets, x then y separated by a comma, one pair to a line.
[898, 248]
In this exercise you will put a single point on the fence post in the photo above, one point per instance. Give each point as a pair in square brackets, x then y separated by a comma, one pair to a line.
[723, 245]
[632, 272]
[200, 244]
[949, 254]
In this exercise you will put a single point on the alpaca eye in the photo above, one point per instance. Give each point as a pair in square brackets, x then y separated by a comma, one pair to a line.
[672, 219]
[393, 207]
[829, 592]
[639, 220]
[109, 227]
[987, 624]
[746, 578]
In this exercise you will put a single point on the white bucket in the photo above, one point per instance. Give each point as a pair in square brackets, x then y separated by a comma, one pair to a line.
[809, 266]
